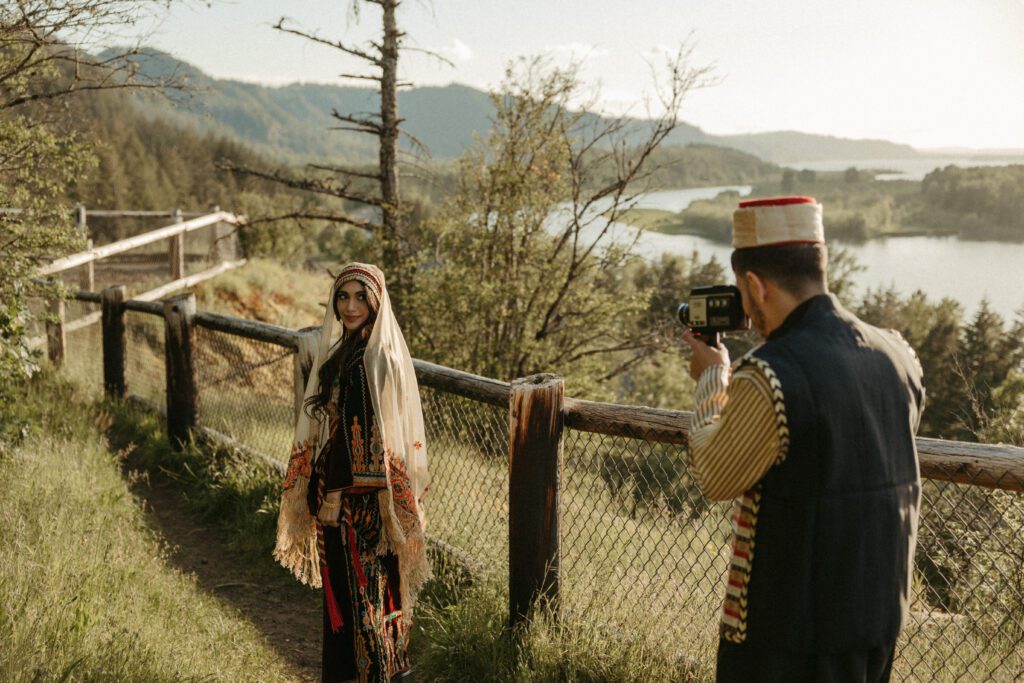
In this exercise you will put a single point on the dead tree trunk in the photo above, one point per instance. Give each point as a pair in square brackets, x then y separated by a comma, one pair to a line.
[391, 208]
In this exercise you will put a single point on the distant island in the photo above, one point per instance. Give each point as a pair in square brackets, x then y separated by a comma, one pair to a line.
[985, 203]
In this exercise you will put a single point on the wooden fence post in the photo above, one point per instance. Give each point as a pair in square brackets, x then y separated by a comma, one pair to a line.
[182, 379]
[535, 469]
[56, 336]
[114, 345]
[87, 277]
[176, 252]
[217, 250]
[303, 363]
[82, 221]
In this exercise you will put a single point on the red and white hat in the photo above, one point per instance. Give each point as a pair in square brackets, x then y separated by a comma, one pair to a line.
[777, 220]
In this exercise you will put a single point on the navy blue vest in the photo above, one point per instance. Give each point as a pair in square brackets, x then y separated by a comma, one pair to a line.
[836, 526]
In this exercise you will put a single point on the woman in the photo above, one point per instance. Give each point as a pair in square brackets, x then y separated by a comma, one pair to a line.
[351, 515]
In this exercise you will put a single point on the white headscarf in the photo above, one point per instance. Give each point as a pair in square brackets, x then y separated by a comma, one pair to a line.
[395, 396]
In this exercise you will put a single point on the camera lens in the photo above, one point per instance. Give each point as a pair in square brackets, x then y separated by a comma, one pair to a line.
[684, 314]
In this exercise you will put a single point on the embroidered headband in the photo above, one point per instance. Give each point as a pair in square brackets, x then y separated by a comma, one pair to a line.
[777, 220]
[370, 276]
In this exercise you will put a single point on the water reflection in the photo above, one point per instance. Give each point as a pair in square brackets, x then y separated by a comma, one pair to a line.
[966, 271]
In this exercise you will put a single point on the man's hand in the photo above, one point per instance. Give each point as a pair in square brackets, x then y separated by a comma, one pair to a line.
[330, 509]
[703, 356]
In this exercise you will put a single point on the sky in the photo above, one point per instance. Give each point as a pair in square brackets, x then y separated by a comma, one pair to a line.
[930, 73]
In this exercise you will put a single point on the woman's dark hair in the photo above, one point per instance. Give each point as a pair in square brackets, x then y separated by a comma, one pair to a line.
[797, 268]
[316, 405]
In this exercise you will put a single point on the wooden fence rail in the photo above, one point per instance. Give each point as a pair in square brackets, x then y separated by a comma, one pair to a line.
[107, 250]
[538, 415]
[58, 328]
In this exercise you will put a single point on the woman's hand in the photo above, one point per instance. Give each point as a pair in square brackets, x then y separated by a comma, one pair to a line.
[330, 509]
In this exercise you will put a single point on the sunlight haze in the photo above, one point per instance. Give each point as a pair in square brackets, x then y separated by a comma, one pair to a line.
[941, 73]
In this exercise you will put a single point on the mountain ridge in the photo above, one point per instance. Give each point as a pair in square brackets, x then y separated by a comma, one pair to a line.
[292, 122]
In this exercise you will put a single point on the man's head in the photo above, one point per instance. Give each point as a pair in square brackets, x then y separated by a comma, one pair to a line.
[780, 258]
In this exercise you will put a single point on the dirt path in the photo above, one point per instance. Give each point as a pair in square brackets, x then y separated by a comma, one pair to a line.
[278, 606]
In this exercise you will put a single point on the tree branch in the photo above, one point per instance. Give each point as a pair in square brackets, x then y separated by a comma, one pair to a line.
[345, 171]
[355, 52]
[306, 184]
[318, 216]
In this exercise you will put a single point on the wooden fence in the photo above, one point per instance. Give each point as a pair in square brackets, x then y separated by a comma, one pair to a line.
[222, 247]
[538, 413]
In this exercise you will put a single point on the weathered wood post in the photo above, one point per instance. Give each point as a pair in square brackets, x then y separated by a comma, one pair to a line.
[303, 360]
[218, 252]
[87, 277]
[182, 378]
[176, 252]
[535, 469]
[115, 349]
[80, 219]
[56, 336]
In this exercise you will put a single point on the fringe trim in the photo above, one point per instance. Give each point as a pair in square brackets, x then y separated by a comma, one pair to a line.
[333, 613]
[296, 547]
[408, 543]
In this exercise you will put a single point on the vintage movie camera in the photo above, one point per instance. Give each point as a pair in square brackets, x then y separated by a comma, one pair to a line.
[710, 311]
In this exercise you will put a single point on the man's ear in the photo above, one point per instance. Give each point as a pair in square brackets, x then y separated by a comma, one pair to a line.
[756, 287]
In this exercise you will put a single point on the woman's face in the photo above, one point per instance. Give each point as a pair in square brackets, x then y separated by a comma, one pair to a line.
[351, 306]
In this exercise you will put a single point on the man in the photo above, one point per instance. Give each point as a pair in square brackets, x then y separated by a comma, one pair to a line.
[813, 435]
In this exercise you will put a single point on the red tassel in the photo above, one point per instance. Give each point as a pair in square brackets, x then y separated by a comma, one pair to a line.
[332, 605]
[360, 575]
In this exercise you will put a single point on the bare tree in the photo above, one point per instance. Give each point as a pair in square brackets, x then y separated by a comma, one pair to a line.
[535, 227]
[354, 184]
[44, 46]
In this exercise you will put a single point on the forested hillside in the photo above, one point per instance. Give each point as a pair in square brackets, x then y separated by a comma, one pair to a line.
[289, 122]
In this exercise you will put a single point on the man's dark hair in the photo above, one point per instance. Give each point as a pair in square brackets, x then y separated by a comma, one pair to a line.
[796, 268]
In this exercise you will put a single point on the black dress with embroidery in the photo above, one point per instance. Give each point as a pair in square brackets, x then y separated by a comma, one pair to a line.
[365, 638]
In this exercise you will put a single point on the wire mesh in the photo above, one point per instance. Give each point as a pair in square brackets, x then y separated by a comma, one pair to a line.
[84, 346]
[635, 524]
[145, 374]
[246, 390]
[467, 503]
[643, 553]
[967, 612]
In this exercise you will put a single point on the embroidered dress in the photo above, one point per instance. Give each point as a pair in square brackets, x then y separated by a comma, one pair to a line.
[364, 636]
[368, 442]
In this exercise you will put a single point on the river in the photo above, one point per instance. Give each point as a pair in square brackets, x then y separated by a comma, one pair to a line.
[966, 271]
[904, 169]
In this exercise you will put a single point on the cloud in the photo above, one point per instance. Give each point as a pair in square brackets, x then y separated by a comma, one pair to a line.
[458, 51]
[576, 52]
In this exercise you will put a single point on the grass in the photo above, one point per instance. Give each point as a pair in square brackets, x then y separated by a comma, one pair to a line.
[267, 291]
[85, 591]
[641, 587]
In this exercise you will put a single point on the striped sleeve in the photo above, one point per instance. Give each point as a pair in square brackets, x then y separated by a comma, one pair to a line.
[734, 438]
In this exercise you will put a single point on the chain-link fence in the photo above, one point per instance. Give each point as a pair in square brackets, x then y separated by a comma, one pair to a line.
[145, 371]
[643, 553]
[467, 504]
[246, 390]
[635, 524]
[84, 346]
